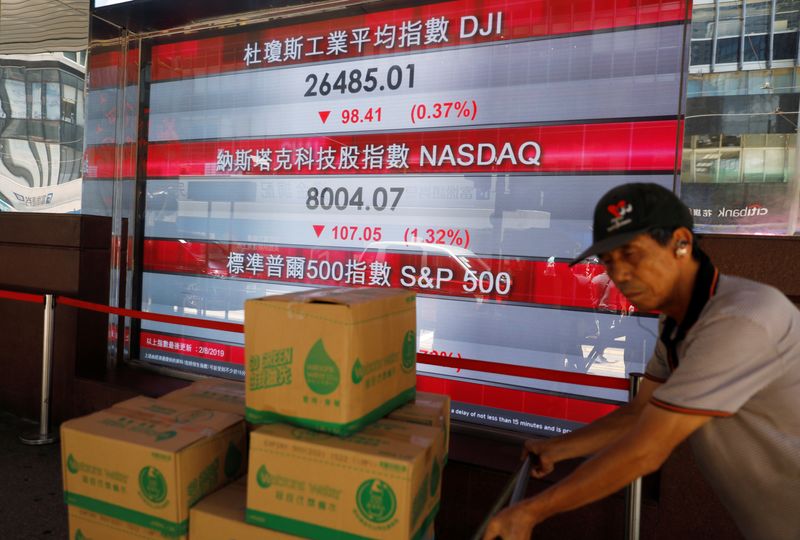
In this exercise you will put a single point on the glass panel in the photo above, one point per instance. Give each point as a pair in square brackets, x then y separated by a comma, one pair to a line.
[707, 141]
[755, 48]
[81, 110]
[753, 164]
[783, 80]
[686, 166]
[730, 19]
[728, 167]
[728, 50]
[759, 82]
[754, 140]
[775, 165]
[705, 165]
[701, 52]
[731, 141]
[695, 86]
[785, 46]
[786, 15]
[69, 104]
[36, 101]
[52, 101]
[735, 83]
[776, 140]
[758, 15]
[703, 22]
[17, 100]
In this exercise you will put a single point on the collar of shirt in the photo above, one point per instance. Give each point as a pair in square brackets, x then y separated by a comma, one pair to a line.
[705, 285]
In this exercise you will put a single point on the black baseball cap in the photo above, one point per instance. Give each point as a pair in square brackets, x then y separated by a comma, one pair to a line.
[630, 210]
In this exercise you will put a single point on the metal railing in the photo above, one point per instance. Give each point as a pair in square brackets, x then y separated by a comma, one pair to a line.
[514, 491]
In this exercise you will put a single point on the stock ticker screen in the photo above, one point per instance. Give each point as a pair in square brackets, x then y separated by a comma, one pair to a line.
[456, 149]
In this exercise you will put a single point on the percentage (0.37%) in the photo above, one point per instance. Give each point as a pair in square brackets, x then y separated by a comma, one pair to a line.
[463, 109]
[450, 237]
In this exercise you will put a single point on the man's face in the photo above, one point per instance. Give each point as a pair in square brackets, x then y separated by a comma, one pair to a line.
[644, 271]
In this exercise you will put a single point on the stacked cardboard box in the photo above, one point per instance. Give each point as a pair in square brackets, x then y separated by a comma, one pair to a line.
[220, 516]
[348, 449]
[429, 410]
[324, 369]
[135, 469]
[214, 394]
[220, 513]
[331, 360]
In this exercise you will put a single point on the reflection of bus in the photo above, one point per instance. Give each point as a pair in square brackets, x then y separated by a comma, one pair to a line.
[41, 131]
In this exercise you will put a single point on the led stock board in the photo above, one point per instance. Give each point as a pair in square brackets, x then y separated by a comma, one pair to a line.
[455, 148]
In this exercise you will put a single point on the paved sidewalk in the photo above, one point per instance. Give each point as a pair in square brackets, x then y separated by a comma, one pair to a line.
[31, 499]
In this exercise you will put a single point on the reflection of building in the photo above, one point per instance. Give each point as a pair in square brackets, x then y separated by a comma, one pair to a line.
[741, 118]
[41, 131]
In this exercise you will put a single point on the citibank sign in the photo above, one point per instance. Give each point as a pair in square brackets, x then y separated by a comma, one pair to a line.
[747, 211]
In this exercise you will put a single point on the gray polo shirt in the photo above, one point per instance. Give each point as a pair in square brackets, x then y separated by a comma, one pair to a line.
[738, 359]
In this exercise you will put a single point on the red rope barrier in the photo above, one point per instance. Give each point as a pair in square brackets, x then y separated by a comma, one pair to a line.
[568, 377]
[171, 319]
[582, 379]
[23, 297]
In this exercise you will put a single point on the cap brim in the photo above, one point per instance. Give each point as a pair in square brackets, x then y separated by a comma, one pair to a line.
[607, 244]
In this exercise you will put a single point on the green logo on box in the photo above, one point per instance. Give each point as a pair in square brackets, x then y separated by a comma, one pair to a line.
[164, 435]
[72, 465]
[80, 536]
[263, 478]
[358, 372]
[152, 486]
[321, 372]
[409, 350]
[376, 500]
[308, 435]
[195, 415]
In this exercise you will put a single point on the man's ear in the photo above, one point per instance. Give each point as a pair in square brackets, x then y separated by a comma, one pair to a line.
[682, 240]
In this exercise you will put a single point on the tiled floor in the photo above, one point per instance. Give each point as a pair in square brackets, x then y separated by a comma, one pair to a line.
[31, 502]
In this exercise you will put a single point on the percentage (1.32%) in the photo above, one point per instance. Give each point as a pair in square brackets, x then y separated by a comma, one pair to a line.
[450, 237]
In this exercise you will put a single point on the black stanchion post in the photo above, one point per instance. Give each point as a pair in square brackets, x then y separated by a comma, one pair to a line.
[633, 493]
[44, 436]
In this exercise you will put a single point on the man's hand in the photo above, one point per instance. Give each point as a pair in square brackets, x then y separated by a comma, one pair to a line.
[515, 523]
[542, 457]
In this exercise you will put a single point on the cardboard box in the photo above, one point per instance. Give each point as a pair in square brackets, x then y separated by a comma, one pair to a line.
[428, 409]
[220, 516]
[86, 525]
[147, 461]
[332, 360]
[319, 486]
[215, 394]
[420, 435]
